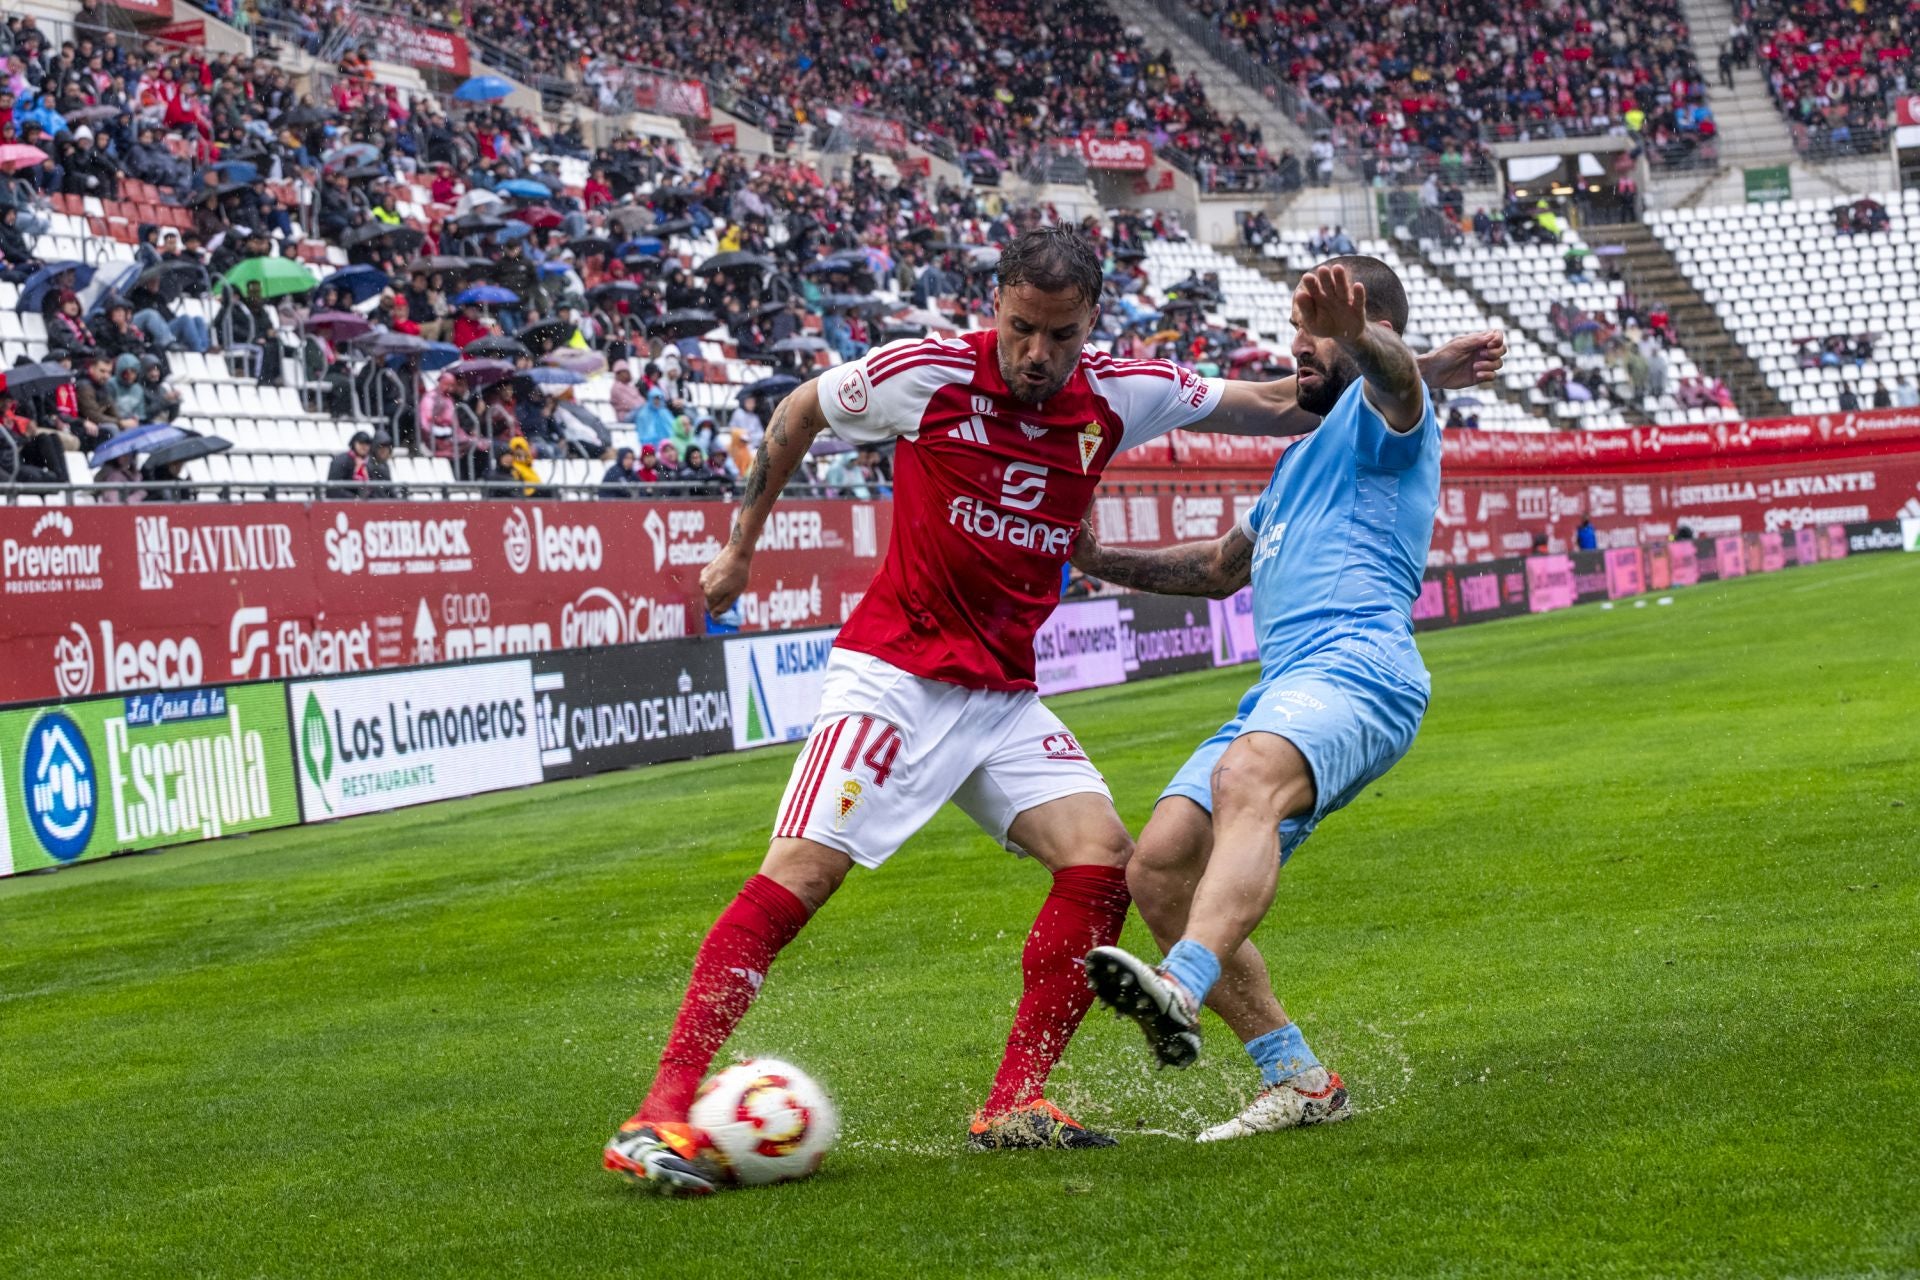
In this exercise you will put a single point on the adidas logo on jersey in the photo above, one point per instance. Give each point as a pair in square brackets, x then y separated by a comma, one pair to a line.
[973, 430]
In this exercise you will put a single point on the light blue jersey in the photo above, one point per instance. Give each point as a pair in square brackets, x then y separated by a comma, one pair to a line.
[1340, 541]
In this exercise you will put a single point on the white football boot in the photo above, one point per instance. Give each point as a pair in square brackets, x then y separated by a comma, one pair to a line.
[1315, 1096]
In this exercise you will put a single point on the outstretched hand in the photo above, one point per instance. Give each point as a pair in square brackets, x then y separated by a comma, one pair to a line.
[1467, 361]
[1330, 304]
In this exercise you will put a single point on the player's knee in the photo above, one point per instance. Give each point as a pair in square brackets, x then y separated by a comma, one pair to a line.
[1262, 776]
[1111, 847]
[810, 872]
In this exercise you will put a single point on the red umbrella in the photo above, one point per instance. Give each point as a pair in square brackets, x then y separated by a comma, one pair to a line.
[15, 156]
[539, 217]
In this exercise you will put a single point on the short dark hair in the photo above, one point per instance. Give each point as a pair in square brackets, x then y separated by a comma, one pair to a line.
[1386, 296]
[1052, 259]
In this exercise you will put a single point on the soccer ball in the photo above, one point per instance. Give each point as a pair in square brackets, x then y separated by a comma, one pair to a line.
[763, 1121]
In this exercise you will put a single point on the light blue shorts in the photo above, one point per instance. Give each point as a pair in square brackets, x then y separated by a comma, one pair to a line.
[1350, 720]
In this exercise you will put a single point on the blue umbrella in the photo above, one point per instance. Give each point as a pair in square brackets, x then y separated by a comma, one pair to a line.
[547, 376]
[511, 232]
[487, 295]
[438, 355]
[553, 268]
[483, 89]
[360, 282]
[523, 189]
[118, 288]
[652, 246]
[238, 171]
[139, 440]
[33, 293]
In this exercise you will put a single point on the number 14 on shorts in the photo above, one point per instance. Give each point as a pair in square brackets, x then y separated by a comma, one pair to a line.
[859, 751]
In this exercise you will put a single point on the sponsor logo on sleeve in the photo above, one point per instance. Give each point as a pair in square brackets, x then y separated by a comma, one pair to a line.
[853, 391]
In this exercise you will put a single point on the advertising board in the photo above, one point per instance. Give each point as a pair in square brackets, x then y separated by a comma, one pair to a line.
[152, 596]
[596, 710]
[773, 685]
[107, 775]
[1684, 561]
[1626, 573]
[1234, 640]
[364, 744]
[1549, 583]
[1079, 647]
[1730, 557]
[1164, 635]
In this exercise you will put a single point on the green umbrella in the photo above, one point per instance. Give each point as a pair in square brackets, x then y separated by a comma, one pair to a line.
[277, 277]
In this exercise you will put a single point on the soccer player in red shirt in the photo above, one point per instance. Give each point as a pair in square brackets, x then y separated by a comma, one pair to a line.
[930, 694]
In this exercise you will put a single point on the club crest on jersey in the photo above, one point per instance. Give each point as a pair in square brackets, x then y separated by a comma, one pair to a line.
[848, 801]
[1089, 444]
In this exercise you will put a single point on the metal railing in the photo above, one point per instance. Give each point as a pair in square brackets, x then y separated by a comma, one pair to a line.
[321, 489]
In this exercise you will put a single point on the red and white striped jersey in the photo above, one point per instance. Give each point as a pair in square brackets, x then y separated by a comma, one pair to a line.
[988, 492]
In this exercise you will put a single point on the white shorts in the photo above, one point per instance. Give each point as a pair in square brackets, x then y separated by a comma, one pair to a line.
[889, 748]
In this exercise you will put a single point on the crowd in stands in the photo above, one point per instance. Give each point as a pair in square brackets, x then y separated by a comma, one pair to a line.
[990, 84]
[1407, 88]
[480, 287]
[1832, 66]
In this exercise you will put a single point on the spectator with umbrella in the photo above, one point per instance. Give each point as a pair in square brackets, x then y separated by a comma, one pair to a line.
[166, 467]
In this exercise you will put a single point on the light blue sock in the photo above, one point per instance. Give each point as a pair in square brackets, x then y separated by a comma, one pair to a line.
[1196, 967]
[1281, 1054]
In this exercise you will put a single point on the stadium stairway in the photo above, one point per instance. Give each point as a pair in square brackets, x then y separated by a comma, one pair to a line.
[1750, 128]
[1437, 311]
[1652, 272]
[1172, 24]
[1503, 309]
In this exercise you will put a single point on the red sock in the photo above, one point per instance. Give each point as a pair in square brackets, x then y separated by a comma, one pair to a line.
[731, 965]
[1085, 910]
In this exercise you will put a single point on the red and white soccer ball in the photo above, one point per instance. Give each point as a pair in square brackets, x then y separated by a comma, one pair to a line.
[763, 1121]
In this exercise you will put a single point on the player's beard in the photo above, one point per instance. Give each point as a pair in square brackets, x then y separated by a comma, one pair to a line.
[1020, 389]
[1324, 392]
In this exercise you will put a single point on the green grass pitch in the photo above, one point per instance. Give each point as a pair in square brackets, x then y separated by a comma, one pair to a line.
[1622, 965]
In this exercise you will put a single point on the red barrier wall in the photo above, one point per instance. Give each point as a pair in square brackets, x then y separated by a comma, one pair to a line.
[1632, 449]
[100, 599]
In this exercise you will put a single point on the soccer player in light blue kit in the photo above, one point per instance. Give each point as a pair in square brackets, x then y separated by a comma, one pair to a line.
[1334, 549]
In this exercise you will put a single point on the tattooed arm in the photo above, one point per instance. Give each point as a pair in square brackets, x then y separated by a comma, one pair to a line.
[795, 424]
[1215, 569]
